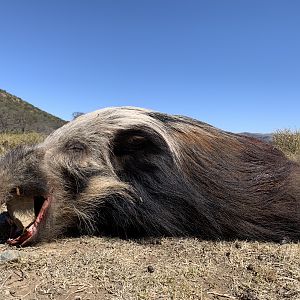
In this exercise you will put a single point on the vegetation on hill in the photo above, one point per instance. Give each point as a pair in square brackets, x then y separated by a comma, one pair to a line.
[19, 116]
[11, 140]
[288, 141]
[268, 138]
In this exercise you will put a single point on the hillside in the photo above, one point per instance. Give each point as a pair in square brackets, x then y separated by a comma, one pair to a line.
[268, 138]
[17, 115]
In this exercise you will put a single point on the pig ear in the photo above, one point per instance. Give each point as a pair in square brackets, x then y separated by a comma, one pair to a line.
[138, 143]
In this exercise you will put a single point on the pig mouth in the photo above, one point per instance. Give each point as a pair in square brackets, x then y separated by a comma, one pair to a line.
[27, 216]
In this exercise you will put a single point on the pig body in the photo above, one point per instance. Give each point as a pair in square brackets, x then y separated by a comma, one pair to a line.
[132, 173]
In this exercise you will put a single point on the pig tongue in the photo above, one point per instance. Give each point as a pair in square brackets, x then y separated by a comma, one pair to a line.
[31, 230]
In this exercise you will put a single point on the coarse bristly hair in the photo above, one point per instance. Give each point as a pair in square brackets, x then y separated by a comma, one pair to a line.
[132, 173]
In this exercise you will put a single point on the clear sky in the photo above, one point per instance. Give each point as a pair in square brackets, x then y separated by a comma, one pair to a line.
[234, 64]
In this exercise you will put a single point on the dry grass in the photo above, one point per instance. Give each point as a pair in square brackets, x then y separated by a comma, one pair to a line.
[288, 141]
[104, 268]
[11, 140]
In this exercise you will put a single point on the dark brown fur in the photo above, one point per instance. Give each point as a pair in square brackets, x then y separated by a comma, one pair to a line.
[130, 172]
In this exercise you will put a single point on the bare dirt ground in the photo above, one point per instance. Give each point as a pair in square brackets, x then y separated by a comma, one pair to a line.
[105, 268]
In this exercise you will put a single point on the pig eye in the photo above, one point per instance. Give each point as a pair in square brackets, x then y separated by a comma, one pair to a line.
[16, 191]
[76, 146]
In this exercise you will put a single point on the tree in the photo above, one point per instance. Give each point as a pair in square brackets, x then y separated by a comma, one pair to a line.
[77, 114]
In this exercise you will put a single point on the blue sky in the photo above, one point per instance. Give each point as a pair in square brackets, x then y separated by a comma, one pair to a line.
[233, 64]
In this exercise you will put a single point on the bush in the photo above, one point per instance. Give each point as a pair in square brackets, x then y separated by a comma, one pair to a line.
[11, 140]
[288, 141]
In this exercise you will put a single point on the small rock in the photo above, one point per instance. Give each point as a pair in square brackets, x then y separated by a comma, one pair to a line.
[82, 241]
[250, 268]
[238, 245]
[285, 240]
[247, 295]
[150, 269]
[156, 242]
[9, 256]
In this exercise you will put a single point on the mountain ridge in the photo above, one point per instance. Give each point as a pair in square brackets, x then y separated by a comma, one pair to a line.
[19, 116]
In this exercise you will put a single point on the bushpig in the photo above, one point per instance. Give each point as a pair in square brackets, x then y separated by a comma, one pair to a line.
[132, 173]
